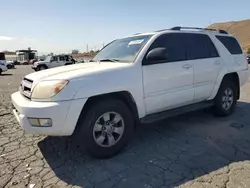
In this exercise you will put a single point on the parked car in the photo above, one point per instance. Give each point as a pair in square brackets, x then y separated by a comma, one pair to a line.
[3, 67]
[10, 64]
[25, 62]
[141, 78]
[248, 59]
[53, 61]
[17, 63]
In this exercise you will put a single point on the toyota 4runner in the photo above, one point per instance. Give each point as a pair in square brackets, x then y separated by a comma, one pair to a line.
[143, 77]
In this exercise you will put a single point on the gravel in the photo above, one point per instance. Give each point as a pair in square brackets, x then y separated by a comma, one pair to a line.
[192, 150]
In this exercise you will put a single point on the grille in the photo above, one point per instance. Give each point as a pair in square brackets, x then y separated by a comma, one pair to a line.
[25, 87]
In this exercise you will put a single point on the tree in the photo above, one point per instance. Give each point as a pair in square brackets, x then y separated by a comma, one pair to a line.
[75, 51]
[248, 51]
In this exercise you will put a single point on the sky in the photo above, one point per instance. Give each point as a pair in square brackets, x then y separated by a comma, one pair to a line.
[62, 25]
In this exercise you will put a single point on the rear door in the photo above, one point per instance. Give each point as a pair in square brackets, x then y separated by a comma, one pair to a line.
[206, 62]
[168, 83]
[62, 60]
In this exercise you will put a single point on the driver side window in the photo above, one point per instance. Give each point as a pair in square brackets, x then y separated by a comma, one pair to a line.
[174, 45]
[54, 58]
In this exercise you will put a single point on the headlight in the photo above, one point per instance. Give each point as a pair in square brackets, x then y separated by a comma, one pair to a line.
[48, 89]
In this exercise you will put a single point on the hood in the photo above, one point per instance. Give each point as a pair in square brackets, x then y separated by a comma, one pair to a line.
[69, 72]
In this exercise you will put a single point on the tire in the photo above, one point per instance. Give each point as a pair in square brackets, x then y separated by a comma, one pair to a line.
[41, 67]
[1, 71]
[87, 137]
[225, 100]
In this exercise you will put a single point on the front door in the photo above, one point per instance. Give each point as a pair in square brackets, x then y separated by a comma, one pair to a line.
[54, 62]
[168, 84]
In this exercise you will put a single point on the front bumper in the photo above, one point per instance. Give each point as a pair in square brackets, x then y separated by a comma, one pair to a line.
[64, 114]
[33, 67]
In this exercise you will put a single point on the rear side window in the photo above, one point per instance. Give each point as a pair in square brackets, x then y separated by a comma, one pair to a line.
[61, 58]
[174, 44]
[231, 44]
[199, 46]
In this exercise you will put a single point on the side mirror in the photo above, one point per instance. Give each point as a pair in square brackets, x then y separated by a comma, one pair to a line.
[157, 54]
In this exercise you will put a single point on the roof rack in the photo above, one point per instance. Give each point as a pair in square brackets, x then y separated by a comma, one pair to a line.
[178, 28]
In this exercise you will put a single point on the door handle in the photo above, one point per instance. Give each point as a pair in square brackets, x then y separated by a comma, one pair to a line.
[187, 66]
[217, 62]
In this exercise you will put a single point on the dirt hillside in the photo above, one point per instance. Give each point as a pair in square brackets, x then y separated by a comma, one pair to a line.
[240, 29]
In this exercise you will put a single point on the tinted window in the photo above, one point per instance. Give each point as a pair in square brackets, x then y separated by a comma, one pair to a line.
[174, 45]
[61, 58]
[54, 58]
[231, 44]
[200, 46]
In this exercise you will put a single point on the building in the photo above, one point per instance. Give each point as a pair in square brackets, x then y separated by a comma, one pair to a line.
[10, 56]
[26, 55]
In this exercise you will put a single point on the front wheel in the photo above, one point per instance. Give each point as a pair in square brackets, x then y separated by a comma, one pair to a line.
[106, 129]
[225, 100]
[41, 67]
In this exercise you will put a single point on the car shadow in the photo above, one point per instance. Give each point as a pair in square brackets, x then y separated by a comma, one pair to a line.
[6, 74]
[167, 153]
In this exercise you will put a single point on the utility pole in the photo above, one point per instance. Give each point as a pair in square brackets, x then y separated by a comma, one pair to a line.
[87, 48]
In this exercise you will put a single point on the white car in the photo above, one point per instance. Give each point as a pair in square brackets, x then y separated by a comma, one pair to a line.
[140, 78]
[53, 61]
[3, 67]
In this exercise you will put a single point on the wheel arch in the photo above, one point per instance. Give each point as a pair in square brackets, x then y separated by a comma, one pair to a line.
[124, 96]
[43, 65]
[232, 76]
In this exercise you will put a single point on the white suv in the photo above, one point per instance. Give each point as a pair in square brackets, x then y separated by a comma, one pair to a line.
[53, 61]
[143, 77]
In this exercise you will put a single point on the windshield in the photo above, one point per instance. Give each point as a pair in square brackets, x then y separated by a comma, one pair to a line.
[124, 50]
[48, 58]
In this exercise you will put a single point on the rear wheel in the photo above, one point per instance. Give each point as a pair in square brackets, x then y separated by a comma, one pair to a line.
[106, 129]
[226, 98]
[1, 71]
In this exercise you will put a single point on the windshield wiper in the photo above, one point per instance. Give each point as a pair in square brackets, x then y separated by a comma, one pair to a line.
[107, 60]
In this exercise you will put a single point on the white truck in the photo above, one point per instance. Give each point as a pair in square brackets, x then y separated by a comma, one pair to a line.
[141, 78]
[53, 61]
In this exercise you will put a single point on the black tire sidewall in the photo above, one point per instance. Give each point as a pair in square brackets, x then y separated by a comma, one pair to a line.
[39, 67]
[219, 110]
[86, 129]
